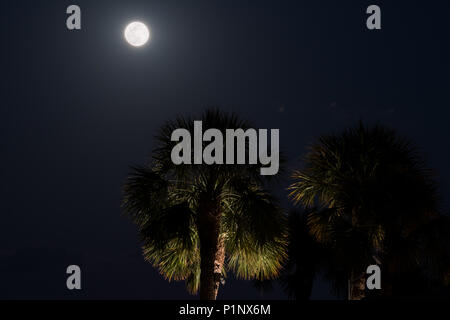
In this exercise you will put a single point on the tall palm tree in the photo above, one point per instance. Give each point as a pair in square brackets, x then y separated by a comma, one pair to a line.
[373, 193]
[197, 221]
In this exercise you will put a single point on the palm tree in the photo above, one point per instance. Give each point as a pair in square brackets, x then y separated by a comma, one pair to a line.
[373, 195]
[306, 258]
[197, 221]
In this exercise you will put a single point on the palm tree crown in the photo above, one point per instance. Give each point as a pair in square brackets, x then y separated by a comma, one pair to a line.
[197, 221]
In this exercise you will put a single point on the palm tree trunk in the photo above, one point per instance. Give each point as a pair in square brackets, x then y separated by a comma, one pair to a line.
[356, 286]
[218, 264]
[212, 252]
[357, 280]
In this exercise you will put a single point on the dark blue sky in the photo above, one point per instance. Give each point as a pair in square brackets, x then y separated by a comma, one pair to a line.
[78, 108]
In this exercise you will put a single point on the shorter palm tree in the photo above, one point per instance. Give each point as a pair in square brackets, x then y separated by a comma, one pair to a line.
[306, 258]
[198, 221]
[374, 198]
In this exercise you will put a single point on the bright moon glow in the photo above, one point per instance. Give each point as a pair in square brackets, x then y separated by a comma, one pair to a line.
[137, 34]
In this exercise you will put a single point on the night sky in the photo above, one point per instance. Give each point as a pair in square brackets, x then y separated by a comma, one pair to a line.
[78, 108]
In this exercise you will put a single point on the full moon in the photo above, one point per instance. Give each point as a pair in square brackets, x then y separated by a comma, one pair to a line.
[137, 34]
